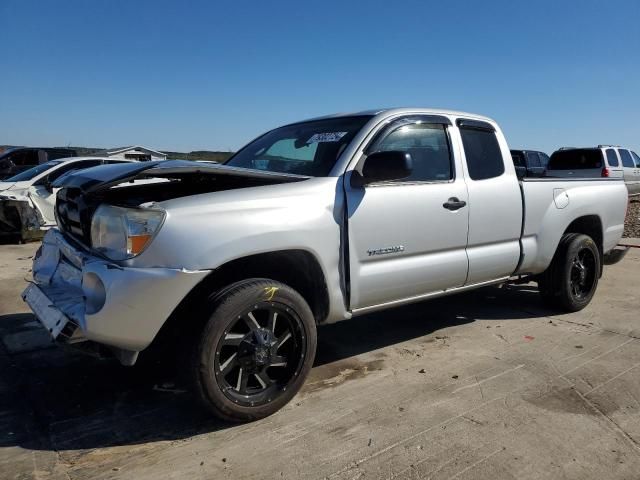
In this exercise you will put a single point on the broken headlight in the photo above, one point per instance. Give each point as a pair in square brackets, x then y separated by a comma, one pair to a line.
[121, 233]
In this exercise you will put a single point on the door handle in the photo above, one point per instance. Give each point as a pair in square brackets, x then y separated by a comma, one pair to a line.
[454, 204]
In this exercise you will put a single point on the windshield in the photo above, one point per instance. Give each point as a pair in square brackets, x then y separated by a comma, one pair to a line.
[309, 148]
[33, 172]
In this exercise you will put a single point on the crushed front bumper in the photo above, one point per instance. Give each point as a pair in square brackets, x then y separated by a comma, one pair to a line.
[79, 297]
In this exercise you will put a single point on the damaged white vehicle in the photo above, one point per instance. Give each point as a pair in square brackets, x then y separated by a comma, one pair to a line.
[310, 223]
[27, 199]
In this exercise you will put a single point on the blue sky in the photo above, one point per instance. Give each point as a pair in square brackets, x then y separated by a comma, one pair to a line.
[180, 75]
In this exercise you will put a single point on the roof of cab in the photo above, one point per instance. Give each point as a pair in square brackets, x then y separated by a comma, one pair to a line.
[404, 110]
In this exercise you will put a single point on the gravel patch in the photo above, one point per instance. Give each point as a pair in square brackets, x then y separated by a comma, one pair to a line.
[632, 222]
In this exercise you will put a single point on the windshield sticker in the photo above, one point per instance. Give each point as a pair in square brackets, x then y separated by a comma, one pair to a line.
[326, 137]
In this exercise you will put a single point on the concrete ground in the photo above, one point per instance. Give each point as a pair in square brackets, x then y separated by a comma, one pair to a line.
[484, 385]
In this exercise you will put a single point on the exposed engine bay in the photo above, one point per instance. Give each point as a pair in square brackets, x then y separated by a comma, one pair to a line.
[132, 185]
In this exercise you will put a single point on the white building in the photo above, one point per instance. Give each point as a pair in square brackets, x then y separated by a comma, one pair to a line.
[134, 152]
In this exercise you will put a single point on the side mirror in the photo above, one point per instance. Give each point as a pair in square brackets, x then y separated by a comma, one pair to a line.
[385, 166]
[521, 172]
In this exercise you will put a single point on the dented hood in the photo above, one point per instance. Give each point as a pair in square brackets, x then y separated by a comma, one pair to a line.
[99, 178]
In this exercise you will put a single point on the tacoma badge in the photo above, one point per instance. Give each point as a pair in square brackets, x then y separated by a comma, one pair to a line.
[385, 251]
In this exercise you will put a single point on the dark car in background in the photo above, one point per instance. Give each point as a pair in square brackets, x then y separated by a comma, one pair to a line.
[530, 163]
[19, 159]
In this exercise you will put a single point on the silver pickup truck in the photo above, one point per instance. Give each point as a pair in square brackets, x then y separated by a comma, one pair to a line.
[310, 223]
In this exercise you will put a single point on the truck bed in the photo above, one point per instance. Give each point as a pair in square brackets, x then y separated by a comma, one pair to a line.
[547, 214]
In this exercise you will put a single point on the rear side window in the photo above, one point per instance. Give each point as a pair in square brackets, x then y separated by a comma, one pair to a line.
[612, 158]
[627, 161]
[428, 146]
[481, 149]
[544, 159]
[518, 159]
[636, 158]
[533, 159]
[576, 159]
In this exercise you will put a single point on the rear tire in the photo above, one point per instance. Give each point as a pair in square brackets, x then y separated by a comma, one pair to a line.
[255, 351]
[572, 278]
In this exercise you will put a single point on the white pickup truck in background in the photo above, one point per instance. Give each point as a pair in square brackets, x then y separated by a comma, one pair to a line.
[310, 223]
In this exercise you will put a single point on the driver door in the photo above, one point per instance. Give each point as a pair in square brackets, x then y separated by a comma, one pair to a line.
[406, 238]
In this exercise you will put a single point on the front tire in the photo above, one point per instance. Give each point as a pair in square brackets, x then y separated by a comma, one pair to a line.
[572, 278]
[255, 351]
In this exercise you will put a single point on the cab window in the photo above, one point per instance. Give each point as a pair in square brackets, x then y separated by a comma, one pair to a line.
[482, 151]
[428, 145]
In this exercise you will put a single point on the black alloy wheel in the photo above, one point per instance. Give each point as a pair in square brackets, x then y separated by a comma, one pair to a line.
[583, 273]
[260, 354]
[255, 350]
[571, 280]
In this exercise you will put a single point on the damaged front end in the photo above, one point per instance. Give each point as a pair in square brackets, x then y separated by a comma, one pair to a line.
[91, 301]
[98, 306]
[19, 218]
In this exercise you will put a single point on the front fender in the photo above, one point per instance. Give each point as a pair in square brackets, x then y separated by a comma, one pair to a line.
[203, 232]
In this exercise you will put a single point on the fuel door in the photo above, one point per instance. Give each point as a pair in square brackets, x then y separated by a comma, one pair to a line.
[560, 198]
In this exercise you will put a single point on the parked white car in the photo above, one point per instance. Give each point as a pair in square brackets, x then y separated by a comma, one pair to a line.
[606, 161]
[27, 200]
